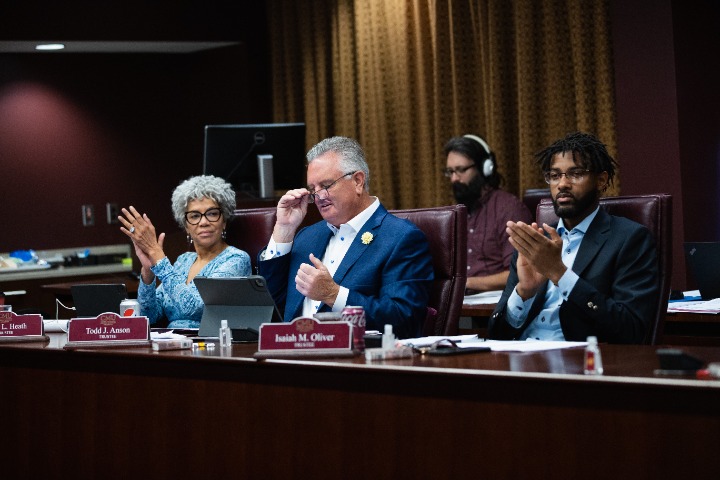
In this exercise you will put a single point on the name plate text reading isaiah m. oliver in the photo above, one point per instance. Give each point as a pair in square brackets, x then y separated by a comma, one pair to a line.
[21, 328]
[305, 337]
[108, 330]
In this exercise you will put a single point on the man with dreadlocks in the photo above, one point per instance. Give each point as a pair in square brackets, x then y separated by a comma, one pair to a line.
[592, 274]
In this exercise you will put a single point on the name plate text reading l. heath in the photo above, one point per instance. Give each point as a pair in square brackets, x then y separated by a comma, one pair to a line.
[21, 328]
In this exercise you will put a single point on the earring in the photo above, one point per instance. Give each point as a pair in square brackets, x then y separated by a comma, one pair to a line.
[224, 235]
[189, 239]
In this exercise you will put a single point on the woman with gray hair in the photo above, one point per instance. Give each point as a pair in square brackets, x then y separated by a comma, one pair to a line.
[202, 206]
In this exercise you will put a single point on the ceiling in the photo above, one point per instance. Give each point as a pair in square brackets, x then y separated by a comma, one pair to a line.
[27, 46]
[129, 26]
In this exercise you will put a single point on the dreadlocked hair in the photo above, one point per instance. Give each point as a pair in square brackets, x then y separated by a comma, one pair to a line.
[587, 151]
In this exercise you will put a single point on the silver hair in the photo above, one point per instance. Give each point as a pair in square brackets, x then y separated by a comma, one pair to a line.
[352, 157]
[203, 186]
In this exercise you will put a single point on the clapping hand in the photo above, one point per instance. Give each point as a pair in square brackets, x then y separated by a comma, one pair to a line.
[539, 256]
[141, 231]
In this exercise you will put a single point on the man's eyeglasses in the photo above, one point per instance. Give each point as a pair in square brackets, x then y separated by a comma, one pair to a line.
[212, 215]
[315, 194]
[448, 172]
[576, 175]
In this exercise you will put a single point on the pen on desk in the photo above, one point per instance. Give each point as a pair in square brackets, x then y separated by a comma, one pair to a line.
[203, 345]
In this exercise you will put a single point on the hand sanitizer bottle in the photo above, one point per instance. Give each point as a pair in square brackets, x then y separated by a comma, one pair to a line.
[593, 360]
[225, 334]
[388, 339]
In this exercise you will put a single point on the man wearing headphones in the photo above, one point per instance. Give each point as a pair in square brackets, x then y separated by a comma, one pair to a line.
[475, 182]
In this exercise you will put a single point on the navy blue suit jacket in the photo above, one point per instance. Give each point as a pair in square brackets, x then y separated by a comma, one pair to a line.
[390, 277]
[617, 293]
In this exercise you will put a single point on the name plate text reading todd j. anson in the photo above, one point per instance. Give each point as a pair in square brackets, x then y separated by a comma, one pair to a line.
[108, 329]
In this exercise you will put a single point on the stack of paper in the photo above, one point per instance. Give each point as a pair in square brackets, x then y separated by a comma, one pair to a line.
[483, 298]
[467, 341]
[709, 306]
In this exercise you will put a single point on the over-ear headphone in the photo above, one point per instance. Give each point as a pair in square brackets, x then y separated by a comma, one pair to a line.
[488, 165]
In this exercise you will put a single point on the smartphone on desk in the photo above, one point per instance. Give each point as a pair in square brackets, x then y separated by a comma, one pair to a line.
[442, 350]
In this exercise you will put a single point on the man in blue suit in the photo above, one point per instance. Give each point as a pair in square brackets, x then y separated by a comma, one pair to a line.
[360, 255]
[593, 274]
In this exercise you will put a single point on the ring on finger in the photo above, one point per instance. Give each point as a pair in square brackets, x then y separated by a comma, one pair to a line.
[132, 229]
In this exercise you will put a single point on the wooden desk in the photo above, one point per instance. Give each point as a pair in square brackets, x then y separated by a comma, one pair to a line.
[133, 413]
[484, 310]
[480, 314]
[680, 328]
[686, 328]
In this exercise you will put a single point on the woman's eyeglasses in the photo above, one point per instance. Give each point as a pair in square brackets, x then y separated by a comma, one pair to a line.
[212, 215]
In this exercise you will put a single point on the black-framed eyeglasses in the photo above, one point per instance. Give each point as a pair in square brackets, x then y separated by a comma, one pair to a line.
[448, 172]
[574, 175]
[212, 215]
[315, 194]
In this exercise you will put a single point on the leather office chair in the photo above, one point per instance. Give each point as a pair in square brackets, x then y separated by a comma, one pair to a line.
[532, 196]
[250, 229]
[446, 231]
[653, 211]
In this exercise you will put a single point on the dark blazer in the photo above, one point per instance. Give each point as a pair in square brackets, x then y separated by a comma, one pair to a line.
[390, 277]
[617, 292]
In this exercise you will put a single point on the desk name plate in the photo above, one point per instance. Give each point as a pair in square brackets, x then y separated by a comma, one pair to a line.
[108, 330]
[305, 337]
[21, 328]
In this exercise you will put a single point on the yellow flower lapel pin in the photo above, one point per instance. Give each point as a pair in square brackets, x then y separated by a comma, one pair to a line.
[366, 238]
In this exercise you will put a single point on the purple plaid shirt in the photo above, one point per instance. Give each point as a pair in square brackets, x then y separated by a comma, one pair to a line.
[489, 250]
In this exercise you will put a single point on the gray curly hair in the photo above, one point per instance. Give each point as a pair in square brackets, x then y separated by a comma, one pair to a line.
[203, 186]
[352, 156]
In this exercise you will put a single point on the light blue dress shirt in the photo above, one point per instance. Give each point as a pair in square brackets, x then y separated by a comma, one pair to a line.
[546, 326]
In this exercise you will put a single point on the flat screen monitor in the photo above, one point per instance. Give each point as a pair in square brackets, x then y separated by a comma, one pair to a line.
[259, 160]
